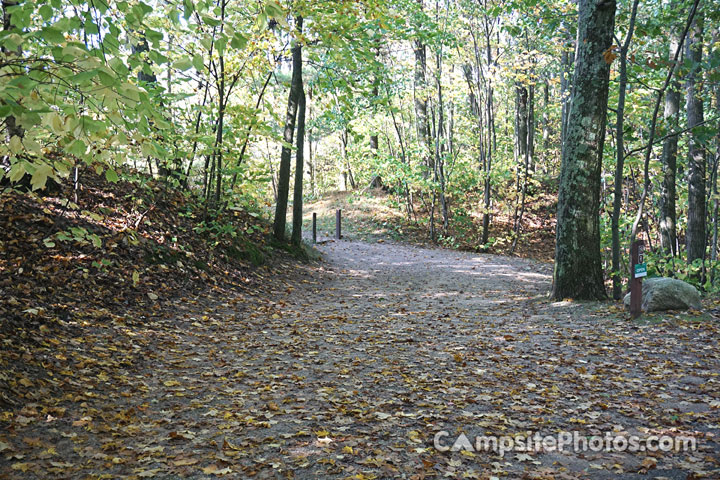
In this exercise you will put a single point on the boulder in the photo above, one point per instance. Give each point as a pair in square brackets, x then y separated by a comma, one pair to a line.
[667, 294]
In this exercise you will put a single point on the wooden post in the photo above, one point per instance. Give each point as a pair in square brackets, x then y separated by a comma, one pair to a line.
[637, 257]
[338, 230]
[314, 228]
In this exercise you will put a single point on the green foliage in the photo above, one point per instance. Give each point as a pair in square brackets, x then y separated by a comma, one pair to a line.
[137, 90]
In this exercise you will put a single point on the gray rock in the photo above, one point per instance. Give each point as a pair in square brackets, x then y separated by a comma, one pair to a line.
[667, 294]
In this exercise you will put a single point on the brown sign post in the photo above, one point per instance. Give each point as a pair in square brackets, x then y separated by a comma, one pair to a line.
[338, 229]
[314, 226]
[638, 270]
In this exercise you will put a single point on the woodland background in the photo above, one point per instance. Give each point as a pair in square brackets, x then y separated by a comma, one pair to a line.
[459, 109]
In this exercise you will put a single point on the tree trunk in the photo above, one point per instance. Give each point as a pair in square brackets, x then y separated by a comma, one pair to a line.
[695, 239]
[565, 86]
[578, 268]
[440, 146]
[374, 139]
[286, 153]
[546, 123]
[421, 115]
[296, 237]
[138, 49]
[668, 229]
[11, 127]
[716, 201]
[528, 162]
[620, 160]
[531, 127]
[311, 158]
[218, 151]
[521, 127]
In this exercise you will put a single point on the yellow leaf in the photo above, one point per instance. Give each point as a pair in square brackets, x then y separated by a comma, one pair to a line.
[149, 473]
[415, 436]
[229, 446]
[215, 470]
[56, 123]
[23, 467]
[40, 176]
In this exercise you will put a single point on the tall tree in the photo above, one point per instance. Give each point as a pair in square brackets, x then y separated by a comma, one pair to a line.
[11, 126]
[288, 133]
[578, 269]
[620, 153]
[716, 200]
[420, 84]
[296, 236]
[668, 229]
[696, 222]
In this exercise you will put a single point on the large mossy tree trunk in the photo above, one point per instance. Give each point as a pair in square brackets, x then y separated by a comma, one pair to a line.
[288, 133]
[578, 268]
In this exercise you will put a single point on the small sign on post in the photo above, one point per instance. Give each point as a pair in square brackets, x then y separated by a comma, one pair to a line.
[338, 230]
[314, 228]
[637, 272]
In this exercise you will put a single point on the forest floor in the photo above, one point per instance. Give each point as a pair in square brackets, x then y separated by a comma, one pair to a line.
[375, 214]
[350, 367]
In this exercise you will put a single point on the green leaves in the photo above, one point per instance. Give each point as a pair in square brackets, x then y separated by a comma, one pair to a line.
[52, 35]
[184, 63]
[42, 172]
[77, 148]
[188, 8]
[111, 176]
[198, 63]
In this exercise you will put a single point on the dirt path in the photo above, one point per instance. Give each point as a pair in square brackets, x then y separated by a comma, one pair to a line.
[354, 367]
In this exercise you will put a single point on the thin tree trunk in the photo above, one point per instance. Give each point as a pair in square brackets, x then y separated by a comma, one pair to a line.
[527, 163]
[374, 139]
[653, 124]
[218, 153]
[716, 200]
[248, 131]
[421, 115]
[12, 129]
[521, 128]
[296, 237]
[619, 163]
[546, 123]
[440, 147]
[286, 153]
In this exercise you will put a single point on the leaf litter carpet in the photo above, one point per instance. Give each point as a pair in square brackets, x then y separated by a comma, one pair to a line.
[351, 367]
